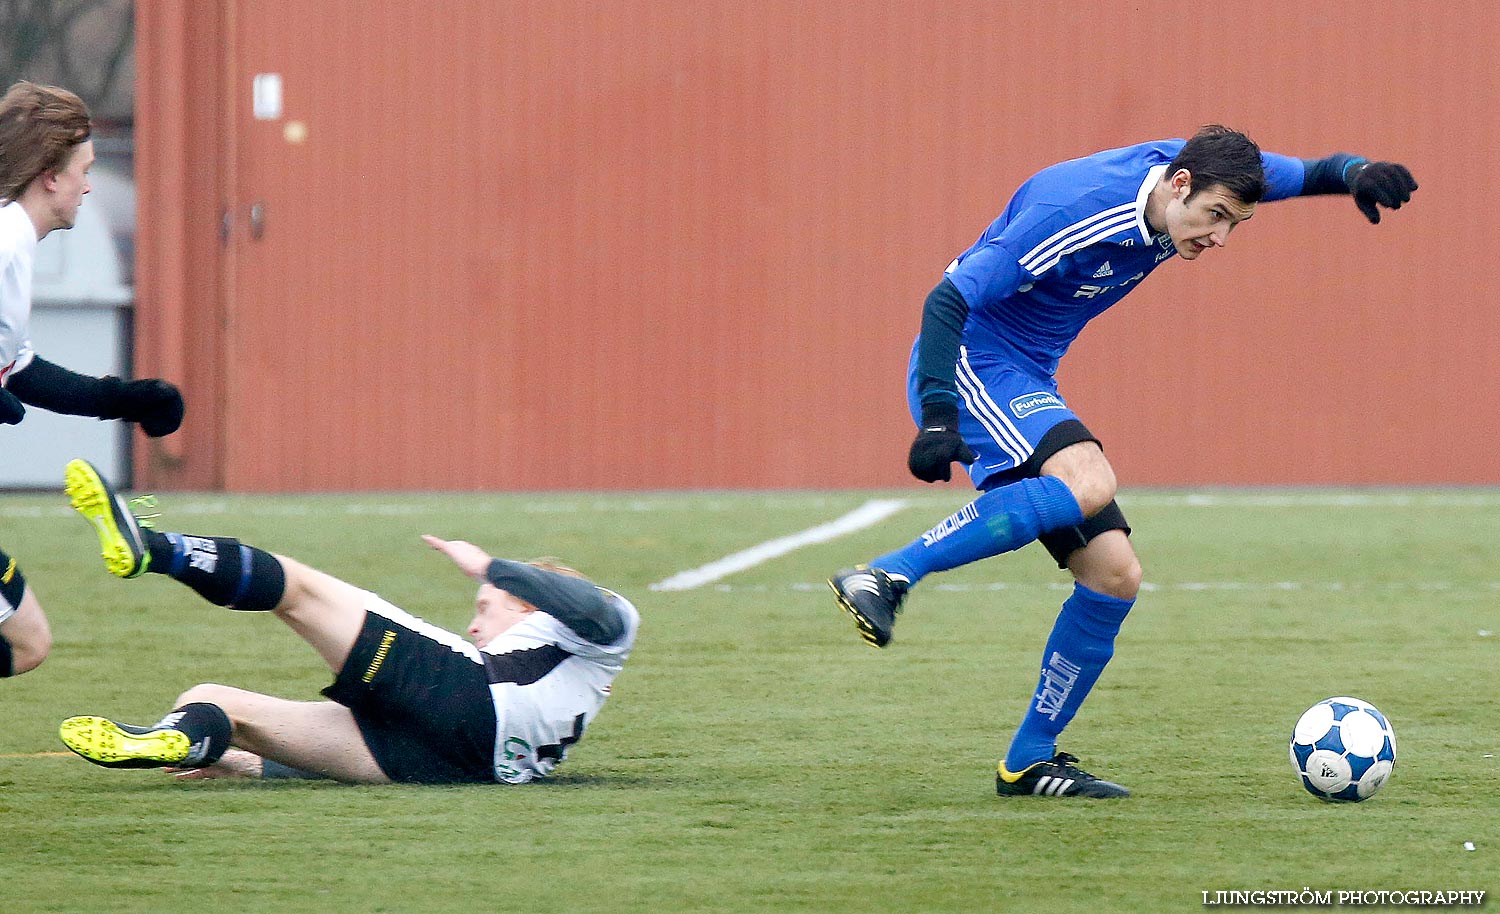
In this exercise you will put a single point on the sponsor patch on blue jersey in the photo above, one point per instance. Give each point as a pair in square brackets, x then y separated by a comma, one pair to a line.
[1027, 404]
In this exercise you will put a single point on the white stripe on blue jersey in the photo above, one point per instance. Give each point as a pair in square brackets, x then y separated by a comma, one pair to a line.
[1053, 247]
[1097, 232]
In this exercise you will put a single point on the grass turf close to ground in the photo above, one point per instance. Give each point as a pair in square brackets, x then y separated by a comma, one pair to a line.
[756, 755]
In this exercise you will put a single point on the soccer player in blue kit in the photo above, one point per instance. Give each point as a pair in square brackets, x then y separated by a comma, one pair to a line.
[1073, 241]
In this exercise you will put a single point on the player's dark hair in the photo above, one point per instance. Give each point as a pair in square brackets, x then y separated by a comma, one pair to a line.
[39, 127]
[1228, 158]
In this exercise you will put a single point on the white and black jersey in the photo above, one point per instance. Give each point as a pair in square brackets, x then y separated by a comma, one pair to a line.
[548, 682]
[18, 243]
[434, 708]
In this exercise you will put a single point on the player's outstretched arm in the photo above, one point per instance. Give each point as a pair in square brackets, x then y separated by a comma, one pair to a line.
[469, 558]
[1372, 184]
[156, 404]
[574, 602]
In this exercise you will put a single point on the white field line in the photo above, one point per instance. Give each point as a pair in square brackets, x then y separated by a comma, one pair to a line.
[866, 515]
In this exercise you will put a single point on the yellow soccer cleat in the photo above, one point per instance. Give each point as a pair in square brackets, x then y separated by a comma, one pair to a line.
[113, 745]
[119, 530]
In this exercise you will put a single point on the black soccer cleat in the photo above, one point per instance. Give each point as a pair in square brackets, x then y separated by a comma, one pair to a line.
[1056, 777]
[873, 598]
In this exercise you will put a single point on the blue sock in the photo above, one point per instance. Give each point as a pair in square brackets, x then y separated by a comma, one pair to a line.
[998, 521]
[1082, 641]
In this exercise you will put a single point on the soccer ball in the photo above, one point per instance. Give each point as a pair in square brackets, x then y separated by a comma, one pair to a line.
[1343, 750]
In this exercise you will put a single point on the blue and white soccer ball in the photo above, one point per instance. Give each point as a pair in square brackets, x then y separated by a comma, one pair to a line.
[1343, 749]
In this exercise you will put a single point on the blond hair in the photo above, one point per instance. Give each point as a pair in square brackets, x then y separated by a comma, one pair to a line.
[548, 563]
[39, 127]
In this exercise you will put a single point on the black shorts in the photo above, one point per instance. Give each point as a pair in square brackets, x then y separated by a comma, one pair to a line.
[423, 708]
[1062, 543]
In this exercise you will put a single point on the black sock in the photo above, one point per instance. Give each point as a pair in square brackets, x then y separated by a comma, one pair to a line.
[221, 569]
[208, 730]
[12, 583]
[12, 589]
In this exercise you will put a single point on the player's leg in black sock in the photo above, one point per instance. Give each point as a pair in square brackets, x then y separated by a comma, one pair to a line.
[221, 569]
[194, 735]
[31, 645]
[208, 731]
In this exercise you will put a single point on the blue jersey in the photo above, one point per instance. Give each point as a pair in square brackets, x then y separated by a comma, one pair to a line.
[1072, 242]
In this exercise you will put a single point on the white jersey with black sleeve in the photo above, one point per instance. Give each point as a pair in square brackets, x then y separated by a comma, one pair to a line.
[548, 681]
[17, 253]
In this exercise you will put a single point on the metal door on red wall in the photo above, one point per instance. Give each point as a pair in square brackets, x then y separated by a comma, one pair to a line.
[371, 345]
[280, 322]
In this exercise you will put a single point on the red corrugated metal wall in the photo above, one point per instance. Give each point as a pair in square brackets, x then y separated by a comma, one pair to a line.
[645, 244]
[180, 292]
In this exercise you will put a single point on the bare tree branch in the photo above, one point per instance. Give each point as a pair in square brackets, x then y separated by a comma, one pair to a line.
[122, 48]
[80, 44]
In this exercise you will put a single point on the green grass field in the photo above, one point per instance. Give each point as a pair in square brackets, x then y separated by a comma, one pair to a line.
[756, 755]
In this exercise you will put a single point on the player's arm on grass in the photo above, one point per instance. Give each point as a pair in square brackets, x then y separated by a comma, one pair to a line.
[238, 763]
[1371, 184]
[574, 602]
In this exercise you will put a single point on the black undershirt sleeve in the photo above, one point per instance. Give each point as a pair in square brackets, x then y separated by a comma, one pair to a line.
[1328, 175]
[574, 602]
[943, 317]
[270, 770]
[56, 389]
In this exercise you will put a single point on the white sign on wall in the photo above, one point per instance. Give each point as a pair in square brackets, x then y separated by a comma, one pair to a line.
[266, 95]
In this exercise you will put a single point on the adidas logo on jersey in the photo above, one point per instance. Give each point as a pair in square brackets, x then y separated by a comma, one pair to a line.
[1103, 271]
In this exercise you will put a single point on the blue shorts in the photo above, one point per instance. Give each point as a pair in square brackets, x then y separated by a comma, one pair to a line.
[1003, 413]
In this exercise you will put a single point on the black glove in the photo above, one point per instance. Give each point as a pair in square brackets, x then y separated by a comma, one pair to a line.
[154, 403]
[938, 444]
[1385, 183]
[12, 410]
